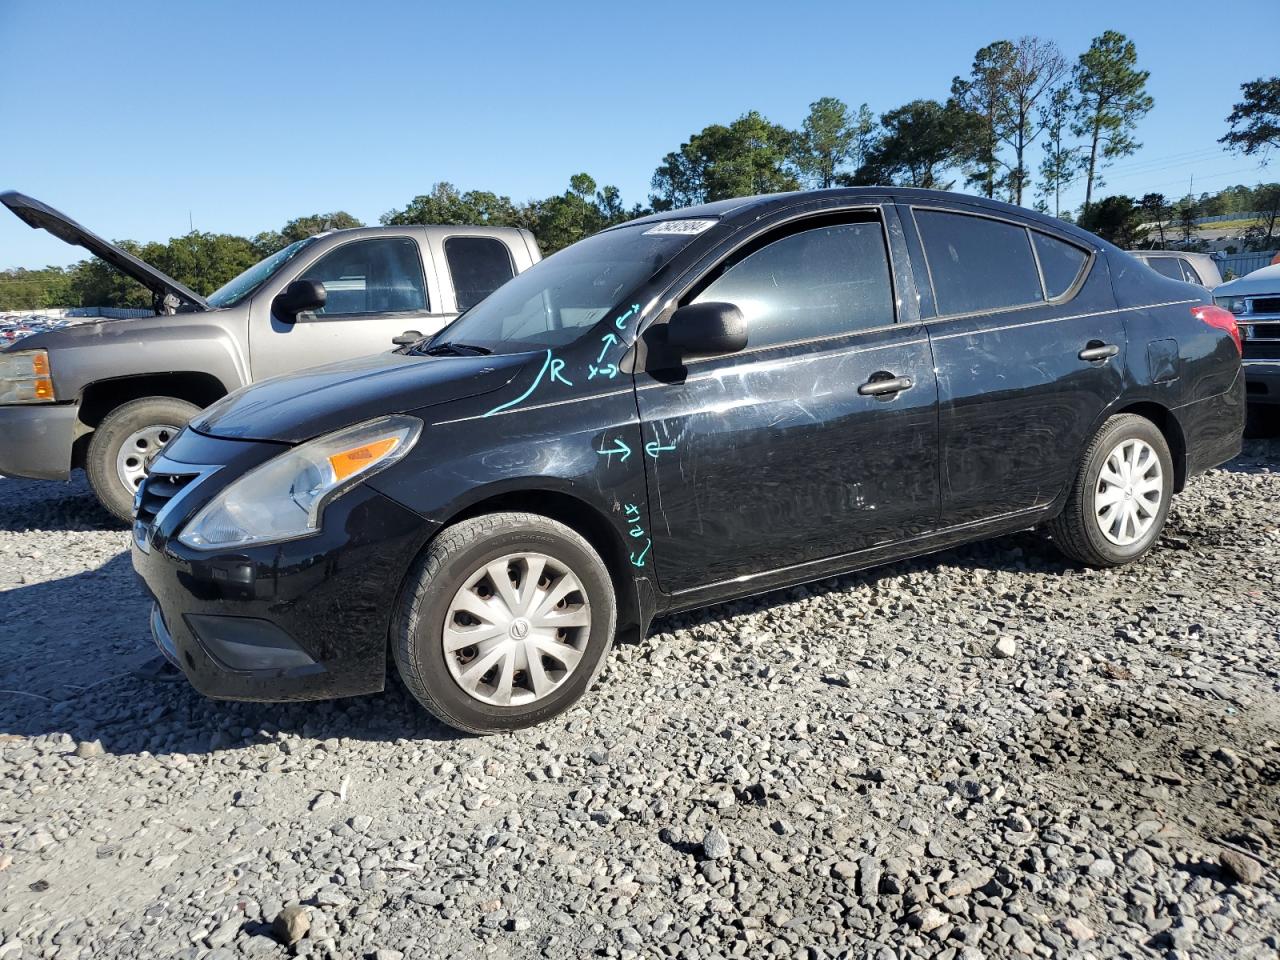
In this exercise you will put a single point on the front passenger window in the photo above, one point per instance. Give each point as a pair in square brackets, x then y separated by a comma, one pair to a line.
[822, 282]
[382, 275]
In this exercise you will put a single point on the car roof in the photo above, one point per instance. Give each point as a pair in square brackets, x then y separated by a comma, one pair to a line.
[754, 207]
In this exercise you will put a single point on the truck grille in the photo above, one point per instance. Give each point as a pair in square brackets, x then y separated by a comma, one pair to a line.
[1266, 304]
[1265, 331]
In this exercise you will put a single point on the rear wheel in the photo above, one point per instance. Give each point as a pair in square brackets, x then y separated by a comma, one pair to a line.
[126, 442]
[505, 621]
[1121, 496]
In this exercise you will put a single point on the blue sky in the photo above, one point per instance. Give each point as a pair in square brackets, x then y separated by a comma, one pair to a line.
[133, 116]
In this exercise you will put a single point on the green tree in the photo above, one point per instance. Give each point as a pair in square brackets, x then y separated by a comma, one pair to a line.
[578, 212]
[1157, 211]
[202, 261]
[1111, 97]
[827, 141]
[1031, 81]
[1061, 162]
[446, 205]
[919, 142]
[22, 289]
[749, 156]
[985, 95]
[1113, 218]
[300, 228]
[1255, 120]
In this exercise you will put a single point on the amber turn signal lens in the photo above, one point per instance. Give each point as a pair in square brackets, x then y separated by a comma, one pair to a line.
[40, 364]
[44, 387]
[349, 461]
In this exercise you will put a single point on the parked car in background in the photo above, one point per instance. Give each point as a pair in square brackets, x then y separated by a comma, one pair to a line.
[1254, 300]
[681, 410]
[1197, 268]
[106, 395]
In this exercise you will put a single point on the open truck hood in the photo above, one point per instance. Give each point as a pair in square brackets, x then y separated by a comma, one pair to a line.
[168, 292]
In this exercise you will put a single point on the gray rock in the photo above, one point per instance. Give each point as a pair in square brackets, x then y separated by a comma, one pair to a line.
[291, 924]
[1242, 868]
[715, 845]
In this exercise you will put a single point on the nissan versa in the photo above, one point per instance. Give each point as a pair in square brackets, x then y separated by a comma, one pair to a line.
[691, 407]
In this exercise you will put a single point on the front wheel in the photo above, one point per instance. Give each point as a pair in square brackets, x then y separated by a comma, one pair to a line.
[126, 442]
[505, 621]
[1121, 495]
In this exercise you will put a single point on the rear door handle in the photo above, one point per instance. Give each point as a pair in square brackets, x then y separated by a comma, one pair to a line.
[881, 388]
[1097, 350]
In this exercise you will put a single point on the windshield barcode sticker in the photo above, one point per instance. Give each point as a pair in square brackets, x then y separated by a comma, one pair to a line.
[684, 228]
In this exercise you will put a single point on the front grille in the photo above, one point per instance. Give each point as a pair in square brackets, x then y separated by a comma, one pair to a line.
[156, 491]
[1266, 304]
[1265, 331]
[1262, 349]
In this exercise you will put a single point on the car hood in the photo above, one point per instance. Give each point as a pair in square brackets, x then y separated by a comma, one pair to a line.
[300, 406]
[1265, 281]
[42, 216]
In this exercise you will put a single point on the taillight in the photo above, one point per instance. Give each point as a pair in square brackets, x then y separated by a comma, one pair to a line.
[1222, 320]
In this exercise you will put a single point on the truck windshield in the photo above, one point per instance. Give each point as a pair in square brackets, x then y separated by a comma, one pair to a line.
[560, 299]
[232, 292]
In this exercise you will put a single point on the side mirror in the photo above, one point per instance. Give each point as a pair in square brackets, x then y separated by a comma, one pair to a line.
[298, 297]
[707, 328]
[408, 338]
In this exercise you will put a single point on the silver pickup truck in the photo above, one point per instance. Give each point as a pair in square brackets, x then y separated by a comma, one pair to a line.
[105, 396]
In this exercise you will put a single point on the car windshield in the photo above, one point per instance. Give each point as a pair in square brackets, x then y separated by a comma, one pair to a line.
[559, 300]
[232, 292]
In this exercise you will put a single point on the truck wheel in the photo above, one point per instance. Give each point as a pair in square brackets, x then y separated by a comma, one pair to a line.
[126, 441]
[503, 622]
[1121, 495]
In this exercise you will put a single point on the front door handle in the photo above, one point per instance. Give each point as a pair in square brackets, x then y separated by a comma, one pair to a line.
[1097, 350]
[885, 387]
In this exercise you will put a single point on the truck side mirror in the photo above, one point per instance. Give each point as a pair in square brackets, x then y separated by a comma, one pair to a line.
[707, 328]
[298, 297]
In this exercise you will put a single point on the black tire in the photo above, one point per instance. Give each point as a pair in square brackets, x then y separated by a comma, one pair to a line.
[1076, 531]
[105, 445]
[443, 568]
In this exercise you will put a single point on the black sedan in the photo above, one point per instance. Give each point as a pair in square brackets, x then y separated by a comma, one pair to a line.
[695, 406]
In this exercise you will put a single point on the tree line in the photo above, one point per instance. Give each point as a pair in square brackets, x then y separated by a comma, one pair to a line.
[1018, 97]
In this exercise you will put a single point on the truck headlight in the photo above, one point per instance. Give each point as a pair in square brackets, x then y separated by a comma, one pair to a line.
[1234, 304]
[25, 377]
[284, 497]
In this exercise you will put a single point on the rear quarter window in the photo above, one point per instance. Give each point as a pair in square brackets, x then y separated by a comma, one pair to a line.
[978, 264]
[1061, 263]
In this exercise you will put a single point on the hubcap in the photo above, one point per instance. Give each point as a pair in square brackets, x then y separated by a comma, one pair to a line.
[516, 629]
[1129, 492]
[138, 450]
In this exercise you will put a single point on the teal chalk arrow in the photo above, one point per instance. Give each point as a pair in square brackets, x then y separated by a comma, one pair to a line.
[609, 341]
[619, 447]
[621, 321]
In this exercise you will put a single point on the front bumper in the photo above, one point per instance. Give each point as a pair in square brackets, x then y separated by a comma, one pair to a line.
[36, 440]
[305, 619]
[1263, 377]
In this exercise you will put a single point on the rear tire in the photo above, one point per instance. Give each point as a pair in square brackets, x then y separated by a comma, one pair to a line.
[539, 605]
[144, 426]
[1121, 495]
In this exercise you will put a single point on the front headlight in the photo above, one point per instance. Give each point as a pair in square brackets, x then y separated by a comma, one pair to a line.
[25, 377]
[1234, 304]
[283, 498]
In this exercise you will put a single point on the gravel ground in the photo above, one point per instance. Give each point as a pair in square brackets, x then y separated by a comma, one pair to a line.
[987, 752]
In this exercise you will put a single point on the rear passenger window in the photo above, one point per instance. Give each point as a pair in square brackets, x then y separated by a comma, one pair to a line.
[817, 283]
[977, 264]
[1189, 273]
[1166, 266]
[1060, 263]
[478, 266]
